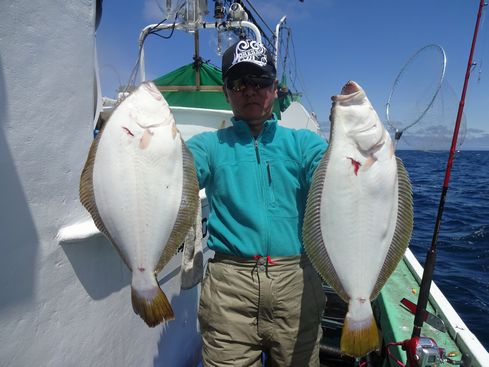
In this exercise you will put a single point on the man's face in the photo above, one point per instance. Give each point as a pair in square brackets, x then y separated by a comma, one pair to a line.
[251, 100]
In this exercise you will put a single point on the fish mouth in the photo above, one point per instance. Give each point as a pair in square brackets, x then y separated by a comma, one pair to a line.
[151, 88]
[350, 87]
[350, 91]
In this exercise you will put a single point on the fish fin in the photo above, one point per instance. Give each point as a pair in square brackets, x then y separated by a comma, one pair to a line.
[151, 304]
[187, 212]
[87, 195]
[358, 338]
[145, 139]
[312, 236]
[192, 258]
[369, 162]
[402, 233]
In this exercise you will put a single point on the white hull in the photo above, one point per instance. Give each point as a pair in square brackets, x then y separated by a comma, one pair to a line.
[65, 293]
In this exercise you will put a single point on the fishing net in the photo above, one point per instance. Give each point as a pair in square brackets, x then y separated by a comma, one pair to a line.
[422, 107]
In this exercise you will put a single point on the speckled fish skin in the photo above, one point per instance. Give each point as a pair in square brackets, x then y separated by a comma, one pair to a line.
[140, 186]
[359, 214]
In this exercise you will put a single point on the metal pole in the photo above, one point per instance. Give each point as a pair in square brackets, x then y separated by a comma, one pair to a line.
[277, 34]
[196, 59]
[180, 26]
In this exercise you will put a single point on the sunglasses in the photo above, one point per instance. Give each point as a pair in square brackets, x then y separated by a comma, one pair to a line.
[254, 81]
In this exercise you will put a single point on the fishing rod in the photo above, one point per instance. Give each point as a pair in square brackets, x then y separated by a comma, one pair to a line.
[412, 344]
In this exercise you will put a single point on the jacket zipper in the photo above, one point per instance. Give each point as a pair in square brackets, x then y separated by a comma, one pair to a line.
[257, 152]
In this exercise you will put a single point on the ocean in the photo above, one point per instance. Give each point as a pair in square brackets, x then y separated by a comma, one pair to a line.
[462, 264]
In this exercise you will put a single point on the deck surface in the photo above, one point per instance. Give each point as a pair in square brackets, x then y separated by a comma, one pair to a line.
[397, 321]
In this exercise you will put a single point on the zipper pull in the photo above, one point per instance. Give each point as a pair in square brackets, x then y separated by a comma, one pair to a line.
[257, 152]
[269, 173]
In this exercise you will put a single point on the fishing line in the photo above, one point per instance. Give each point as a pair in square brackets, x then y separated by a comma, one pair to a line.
[484, 31]
[153, 31]
[293, 71]
[134, 71]
[299, 77]
[286, 52]
[287, 46]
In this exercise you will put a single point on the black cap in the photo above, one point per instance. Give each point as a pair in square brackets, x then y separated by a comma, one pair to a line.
[247, 57]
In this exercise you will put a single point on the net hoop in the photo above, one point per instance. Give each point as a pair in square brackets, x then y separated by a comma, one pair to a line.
[401, 73]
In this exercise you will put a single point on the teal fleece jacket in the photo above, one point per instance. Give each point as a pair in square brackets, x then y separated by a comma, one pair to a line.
[257, 188]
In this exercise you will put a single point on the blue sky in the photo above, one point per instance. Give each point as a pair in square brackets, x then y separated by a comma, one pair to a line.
[335, 41]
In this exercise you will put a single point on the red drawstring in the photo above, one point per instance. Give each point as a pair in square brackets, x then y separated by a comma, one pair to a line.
[269, 259]
[258, 257]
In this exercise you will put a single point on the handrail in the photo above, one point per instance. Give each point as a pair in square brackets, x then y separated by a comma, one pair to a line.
[183, 26]
[277, 34]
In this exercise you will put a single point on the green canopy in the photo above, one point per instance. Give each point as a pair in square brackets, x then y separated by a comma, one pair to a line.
[285, 96]
[180, 89]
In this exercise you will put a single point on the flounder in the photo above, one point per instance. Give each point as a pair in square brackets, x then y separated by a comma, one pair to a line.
[140, 186]
[359, 214]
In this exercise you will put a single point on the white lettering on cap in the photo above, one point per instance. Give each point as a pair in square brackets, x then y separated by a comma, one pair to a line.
[250, 51]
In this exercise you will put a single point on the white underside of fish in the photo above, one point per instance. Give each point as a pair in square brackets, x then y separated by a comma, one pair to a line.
[359, 218]
[359, 202]
[140, 186]
[138, 192]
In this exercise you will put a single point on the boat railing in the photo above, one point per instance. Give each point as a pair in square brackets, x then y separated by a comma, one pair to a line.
[184, 26]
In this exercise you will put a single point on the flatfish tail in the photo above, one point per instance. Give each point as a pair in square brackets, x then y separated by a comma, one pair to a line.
[153, 307]
[358, 340]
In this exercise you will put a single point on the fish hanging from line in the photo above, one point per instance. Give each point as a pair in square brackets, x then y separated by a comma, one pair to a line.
[140, 186]
[359, 214]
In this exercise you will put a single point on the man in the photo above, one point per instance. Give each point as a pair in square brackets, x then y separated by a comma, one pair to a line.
[260, 292]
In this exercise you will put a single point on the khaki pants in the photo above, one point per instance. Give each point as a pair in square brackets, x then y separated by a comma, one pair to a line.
[249, 306]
